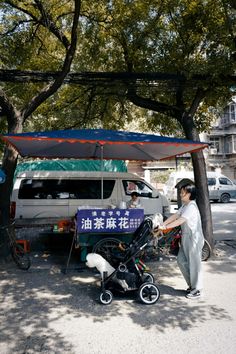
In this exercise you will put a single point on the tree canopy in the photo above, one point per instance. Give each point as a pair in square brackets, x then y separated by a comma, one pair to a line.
[189, 39]
[184, 37]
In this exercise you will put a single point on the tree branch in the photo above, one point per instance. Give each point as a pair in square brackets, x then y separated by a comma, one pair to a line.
[187, 120]
[229, 22]
[45, 20]
[200, 94]
[14, 6]
[151, 104]
[52, 88]
[12, 30]
[8, 110]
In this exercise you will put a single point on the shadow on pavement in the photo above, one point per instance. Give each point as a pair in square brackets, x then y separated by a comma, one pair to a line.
[36, 304]
[223, 259]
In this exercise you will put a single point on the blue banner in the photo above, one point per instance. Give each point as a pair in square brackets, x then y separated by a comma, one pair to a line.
[109, 220]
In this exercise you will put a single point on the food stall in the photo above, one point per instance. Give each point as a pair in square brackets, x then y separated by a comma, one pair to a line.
[103, 145]
[92, 225]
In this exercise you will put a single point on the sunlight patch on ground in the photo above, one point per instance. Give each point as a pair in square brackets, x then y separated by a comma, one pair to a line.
[84, 280]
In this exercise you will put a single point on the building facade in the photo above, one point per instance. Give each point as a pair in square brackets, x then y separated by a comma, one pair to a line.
[222, 151]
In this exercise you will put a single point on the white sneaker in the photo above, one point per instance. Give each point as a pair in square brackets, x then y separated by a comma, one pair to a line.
[193, 294]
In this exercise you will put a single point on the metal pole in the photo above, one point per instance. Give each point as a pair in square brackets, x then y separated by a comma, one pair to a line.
[102, 168]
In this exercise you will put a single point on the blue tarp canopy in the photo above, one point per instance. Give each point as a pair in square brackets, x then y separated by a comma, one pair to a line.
[100, 143]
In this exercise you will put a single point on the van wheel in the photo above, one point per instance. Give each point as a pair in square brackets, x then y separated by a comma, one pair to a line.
[225, 198]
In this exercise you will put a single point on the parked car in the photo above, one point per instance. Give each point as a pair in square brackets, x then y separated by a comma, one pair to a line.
[220, 187]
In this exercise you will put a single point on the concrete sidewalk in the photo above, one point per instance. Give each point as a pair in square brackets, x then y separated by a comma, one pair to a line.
[46, 311]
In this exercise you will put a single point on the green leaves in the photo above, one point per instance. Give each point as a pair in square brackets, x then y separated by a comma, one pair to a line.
[172, 36]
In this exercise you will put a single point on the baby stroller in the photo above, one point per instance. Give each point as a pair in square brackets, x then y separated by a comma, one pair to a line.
[130, 274]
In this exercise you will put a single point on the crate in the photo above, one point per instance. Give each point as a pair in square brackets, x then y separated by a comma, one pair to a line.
[25, 244]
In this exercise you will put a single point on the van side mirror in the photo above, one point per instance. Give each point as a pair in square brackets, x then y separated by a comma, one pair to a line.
[155, 194]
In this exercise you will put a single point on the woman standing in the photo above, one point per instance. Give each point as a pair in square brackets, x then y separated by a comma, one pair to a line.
[192, 241]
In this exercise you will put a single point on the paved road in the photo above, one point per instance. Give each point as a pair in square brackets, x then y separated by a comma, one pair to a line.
[45, 311]
[224, 220]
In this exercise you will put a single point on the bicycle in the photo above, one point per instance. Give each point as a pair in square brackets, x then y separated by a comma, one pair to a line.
[20, 257]
[167, 243]
[169, 240]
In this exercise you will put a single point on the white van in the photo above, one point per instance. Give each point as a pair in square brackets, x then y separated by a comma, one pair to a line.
[220, 187]
[54, 194]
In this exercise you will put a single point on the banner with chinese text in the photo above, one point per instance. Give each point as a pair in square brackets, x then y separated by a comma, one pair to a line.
[109, 220]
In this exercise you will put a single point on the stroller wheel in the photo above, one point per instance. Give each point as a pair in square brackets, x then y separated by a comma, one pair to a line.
[148, 277]
[106, 297]
[148, 293]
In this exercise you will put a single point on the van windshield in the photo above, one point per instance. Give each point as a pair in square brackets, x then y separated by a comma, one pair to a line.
[64, 189]
[137, 186]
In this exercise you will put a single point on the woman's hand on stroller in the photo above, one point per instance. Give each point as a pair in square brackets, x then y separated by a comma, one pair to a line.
[157, 232]
[161, 230]
[162, 227]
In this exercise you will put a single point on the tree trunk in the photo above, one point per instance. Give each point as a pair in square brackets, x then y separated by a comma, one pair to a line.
[9, 166]
[186, 120]
[9, 161]
[16, 119]
[200, 176]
